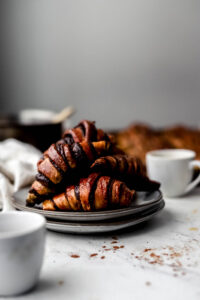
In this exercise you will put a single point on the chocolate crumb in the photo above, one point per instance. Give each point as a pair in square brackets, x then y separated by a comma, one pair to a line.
[153, 262]
[75, 255]
[60, 282]
[93, 254]
[103, 246]
[122, 246]
[147, 249]
[108, 249]
[154, 255]
[115, 238]
[114, 242]
[115, 247]
[102, 257]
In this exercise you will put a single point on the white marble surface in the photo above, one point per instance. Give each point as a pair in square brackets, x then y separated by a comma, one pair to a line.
[169, 268]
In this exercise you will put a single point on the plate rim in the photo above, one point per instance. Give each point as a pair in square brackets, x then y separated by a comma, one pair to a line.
[128, 222]
[65, 215]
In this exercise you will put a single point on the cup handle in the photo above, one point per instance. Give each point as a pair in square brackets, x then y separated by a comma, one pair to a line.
[193, 184]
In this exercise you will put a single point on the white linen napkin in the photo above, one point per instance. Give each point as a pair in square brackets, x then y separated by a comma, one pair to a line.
[18, 166]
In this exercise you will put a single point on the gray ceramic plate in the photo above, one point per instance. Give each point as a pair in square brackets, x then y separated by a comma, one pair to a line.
[108, 226]
[143, 201]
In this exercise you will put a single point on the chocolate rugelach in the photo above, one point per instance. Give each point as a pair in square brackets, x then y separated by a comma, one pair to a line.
[63, 161]
[126, 168]
[96, 192]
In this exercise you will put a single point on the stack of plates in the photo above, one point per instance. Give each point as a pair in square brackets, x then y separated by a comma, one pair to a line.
[142, 209]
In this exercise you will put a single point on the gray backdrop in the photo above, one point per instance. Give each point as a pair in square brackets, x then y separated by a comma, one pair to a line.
[116, 61]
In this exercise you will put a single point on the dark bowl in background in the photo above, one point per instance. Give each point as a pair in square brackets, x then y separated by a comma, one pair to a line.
[31, 126]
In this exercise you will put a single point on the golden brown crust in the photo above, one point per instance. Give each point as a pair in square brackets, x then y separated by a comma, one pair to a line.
[88, 129]
[85, 190]
[48, 205]
[56, 157]
[87, 149]
[47, 168]
[31, 199]
[41, 189]
[70, 159]
[115, 192]
[62, 202]
[101, 193]
[74, 203]
[76, 134]
[101, 147]
[124, 198]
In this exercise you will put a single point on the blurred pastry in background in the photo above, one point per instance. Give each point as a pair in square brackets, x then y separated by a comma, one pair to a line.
[137, 139]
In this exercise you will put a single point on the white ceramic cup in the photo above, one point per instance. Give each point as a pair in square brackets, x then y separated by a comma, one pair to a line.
[173, 168]
[22, 238]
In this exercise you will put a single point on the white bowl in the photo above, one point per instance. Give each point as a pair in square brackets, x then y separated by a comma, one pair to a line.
[22, 237]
